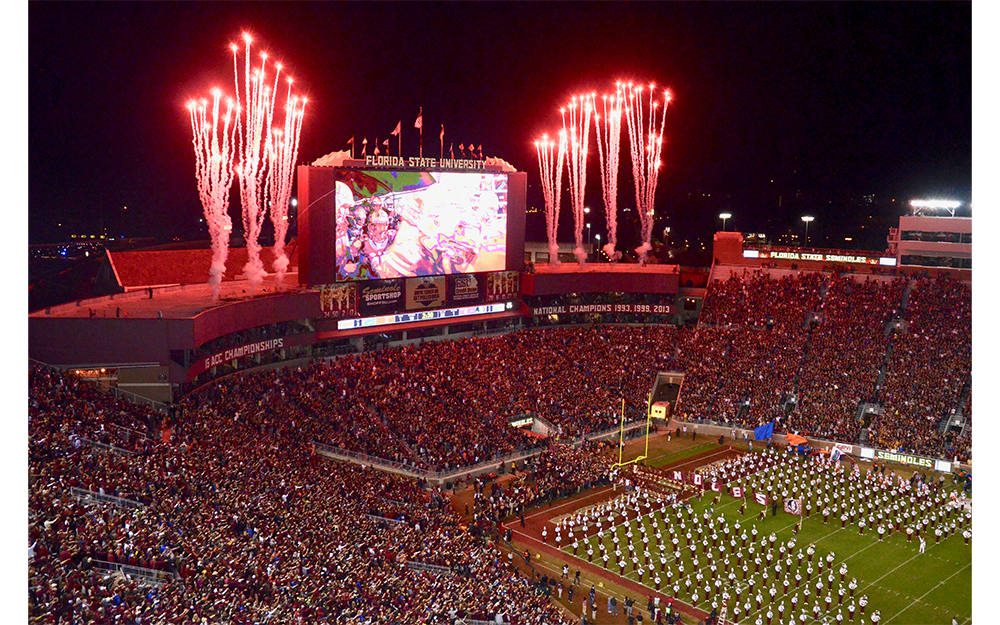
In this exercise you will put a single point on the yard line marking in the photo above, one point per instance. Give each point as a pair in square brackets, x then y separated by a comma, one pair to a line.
[888, 620]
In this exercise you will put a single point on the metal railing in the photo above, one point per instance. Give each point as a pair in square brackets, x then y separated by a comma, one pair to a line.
[430, 568]
[384, 464]
[417, 472]
[384, 518]
[129, 432]
[357, 457]
[153, 577]
[89, 496]
[105, 446]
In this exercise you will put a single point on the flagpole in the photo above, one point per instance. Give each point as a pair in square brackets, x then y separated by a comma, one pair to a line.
[649, 417]
[621, 436]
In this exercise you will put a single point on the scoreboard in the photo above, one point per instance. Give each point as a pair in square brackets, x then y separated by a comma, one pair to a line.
[402, 245]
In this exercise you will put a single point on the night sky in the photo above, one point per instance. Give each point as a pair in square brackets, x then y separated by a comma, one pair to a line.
[830, 101]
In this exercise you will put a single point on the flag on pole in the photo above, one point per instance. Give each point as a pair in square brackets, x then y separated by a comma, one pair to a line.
[452, 150]
[480, 151]
[793, 506]
[399, 126]
[442, 132]
[716, 486]
[376, 150]
[386, 142]
[350, 141]
[760, 498]
[763, 432]
[737, 492]
[420, 119]
[696, 479]
[677, 476]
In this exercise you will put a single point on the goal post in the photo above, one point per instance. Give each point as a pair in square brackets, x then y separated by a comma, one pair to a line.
[621, 440]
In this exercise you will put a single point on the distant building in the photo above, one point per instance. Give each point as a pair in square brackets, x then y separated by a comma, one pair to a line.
[927, 238]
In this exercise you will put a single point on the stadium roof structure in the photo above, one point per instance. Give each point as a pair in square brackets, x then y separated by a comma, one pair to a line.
[142, 269]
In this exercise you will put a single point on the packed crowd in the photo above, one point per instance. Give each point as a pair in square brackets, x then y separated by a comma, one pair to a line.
[817, 338]
[246, 524]
[756, 299]
[823, 341]
[224, 501]
[931, 363]
[755, 327]
[834, 380]
[444, 405]
[559, 471]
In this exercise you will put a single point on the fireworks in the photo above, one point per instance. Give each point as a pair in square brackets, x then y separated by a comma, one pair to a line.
[578, 132]
[252, 149]
[282, 150]
[646, 140]
[265, 164]
[550, 164]
[214, 148]
[645, 124]
[609, 149]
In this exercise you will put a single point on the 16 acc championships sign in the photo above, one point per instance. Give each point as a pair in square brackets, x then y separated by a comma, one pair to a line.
[582, 309]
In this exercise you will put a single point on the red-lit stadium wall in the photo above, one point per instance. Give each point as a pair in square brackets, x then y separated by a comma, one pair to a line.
[728, 248]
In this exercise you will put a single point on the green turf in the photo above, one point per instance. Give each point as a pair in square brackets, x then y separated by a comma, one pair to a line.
[683, 454]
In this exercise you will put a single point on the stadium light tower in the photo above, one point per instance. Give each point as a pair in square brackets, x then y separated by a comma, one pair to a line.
[923, 207]
[807, 219]
[724, 217]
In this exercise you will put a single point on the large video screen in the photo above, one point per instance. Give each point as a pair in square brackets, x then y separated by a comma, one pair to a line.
[401, 224]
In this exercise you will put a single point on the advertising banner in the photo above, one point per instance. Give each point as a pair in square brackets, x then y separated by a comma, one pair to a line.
[380, 297]
[844, 448]
[424, 293]
[503, 285]
[337, 301]
[466, 289]
[582, 309]
[829, 258]
[265, 347]
[916, 461]
[521, 421]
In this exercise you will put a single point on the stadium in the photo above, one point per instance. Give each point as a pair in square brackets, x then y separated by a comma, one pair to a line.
[429, 420]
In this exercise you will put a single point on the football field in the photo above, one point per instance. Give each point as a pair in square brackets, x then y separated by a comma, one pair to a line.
[718, 551]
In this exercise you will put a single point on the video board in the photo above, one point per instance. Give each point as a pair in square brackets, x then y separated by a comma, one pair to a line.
[403, 224]
[364, 224]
